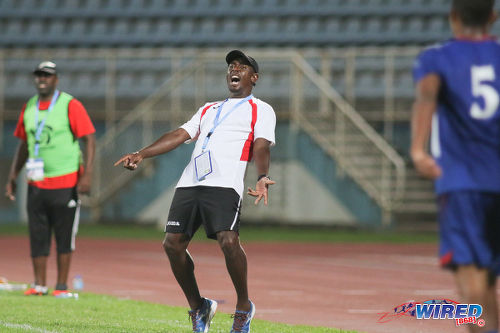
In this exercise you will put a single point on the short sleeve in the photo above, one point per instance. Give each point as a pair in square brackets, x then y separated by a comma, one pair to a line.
[79, 119]
[20, 131]
[266, 123]
[192, 126]
[426, 63]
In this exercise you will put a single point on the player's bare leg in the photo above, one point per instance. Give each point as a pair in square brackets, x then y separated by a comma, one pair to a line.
[181, 262]
[477, 286]
[40, 270]
[63, 263]
[236, 263]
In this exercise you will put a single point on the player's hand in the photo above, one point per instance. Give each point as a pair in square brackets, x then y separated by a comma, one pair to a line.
[130, 161]
[83, 186]
[261, 189]
[10, 189]
[426, 165]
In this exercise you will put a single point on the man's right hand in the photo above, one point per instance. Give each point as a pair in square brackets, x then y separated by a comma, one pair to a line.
[426, 165]
[130, 161]
[10, 189]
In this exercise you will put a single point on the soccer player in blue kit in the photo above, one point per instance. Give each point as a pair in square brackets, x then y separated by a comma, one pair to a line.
[457, 106]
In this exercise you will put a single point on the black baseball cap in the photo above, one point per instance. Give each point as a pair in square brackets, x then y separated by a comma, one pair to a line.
[235, 54]
[46, 67]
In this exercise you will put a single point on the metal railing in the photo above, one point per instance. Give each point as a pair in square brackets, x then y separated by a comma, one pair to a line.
[385, 182]
[107, 180]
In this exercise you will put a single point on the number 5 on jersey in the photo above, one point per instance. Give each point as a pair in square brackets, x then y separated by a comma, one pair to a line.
[481, 78]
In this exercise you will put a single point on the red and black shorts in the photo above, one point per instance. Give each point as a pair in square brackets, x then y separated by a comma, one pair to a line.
[217, 208]
[50, 211]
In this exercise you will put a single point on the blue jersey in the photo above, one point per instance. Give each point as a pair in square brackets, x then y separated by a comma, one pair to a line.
[465, 139]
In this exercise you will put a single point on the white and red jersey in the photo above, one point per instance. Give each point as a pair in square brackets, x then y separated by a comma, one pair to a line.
[231, 143]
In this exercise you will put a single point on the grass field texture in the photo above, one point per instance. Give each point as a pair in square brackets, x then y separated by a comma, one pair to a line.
[100, 313]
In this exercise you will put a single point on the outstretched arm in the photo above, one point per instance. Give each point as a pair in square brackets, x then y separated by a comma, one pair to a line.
[17, 164]
[167, 142]
[262, 158]
[423, 109]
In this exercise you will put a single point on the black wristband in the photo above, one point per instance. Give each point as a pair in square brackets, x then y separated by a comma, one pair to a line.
[262, 176]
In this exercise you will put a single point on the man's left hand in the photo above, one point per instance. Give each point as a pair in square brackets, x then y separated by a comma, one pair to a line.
[83, 186]
[261, 190]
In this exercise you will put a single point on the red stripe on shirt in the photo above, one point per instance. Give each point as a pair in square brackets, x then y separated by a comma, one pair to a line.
[205, 110]
[246, 154]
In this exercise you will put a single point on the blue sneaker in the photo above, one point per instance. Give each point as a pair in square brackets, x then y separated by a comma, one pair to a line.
[242, 320]
[202, 317]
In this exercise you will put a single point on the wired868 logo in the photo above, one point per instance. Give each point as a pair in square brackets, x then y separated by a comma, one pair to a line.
[438, 309]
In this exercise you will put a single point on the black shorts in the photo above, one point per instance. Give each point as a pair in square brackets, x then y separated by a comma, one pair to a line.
[217, 208]
[52, 210]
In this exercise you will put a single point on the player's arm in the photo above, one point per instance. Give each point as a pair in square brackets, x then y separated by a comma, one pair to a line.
[262, 158]
[167, 142]
[85, 179]
[18, 162]
[426, 99]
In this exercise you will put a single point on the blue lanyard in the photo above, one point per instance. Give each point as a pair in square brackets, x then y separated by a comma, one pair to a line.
[217, 122]
[39, 127]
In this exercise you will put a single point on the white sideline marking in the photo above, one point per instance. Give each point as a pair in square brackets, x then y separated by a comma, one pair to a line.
[270, 311]
[133, 292]
[364, 311]
[359, 292]
[434, 292]
[25, 327]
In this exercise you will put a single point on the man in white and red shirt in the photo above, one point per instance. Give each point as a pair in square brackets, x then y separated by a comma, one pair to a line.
[49, 128]
[228, 135]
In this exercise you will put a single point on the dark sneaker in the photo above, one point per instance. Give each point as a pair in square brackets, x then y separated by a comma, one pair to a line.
[242, 320]
[202, 317]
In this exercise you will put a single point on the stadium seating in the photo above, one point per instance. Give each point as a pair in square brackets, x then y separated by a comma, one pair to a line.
[99, 23]
[215, 23]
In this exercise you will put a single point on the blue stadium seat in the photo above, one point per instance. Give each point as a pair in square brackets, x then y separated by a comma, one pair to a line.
[252, 25]
[77, 28]
[403, 84]
[163, 27]
[141, 30]
[14, 28]
[438, 28]
[292, 25]
[8, 4]
[373, 25]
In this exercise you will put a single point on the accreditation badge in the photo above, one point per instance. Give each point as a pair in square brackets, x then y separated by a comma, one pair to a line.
[34, 169]
[203, 165]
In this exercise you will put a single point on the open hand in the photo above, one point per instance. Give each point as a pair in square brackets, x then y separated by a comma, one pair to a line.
[261, 189]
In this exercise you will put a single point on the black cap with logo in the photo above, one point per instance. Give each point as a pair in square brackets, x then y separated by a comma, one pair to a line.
[235, 54]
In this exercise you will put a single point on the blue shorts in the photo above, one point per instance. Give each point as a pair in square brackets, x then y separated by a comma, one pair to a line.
[469, 223]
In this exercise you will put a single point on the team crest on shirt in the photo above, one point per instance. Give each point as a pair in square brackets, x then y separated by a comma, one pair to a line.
[46, 134]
